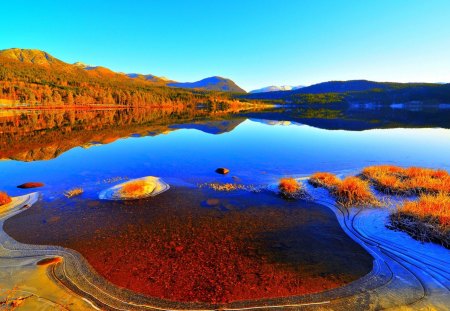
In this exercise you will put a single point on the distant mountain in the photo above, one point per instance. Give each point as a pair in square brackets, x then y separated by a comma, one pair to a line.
[360, 90]
[148, 77]
[275, 88]
[211, 84]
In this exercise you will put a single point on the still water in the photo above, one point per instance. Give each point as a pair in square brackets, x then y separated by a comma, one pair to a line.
[191, 243]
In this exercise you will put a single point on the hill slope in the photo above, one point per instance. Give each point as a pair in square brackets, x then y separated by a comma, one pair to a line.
[212, 84]
[36, 77]
[360, 90]
[43, 59]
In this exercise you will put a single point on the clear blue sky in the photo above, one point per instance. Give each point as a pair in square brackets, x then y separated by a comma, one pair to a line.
[255, 43]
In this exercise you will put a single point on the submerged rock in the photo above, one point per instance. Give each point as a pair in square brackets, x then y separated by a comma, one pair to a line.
[139, 188]
[29, 185]
[222, 170]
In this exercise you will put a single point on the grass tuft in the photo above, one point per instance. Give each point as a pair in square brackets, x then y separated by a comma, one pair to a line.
[4, 198]
[134, 189]
[426, 219]
[73, 192]
[324, 179]
[353, 191]
[407, 181]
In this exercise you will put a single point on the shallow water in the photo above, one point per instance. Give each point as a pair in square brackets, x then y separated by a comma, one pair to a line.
[295, 241]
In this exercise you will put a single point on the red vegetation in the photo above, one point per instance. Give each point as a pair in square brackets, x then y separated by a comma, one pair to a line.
[4, 198]
[289, 185]
[436, 206]
[134, 188]
[323, 179]
[30, 185]
[353, 191]
[413, 180]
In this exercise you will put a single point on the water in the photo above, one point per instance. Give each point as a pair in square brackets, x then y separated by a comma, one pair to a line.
[275, 246]
[254, 151]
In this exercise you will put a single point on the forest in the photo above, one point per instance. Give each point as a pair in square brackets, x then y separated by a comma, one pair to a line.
[56, 83]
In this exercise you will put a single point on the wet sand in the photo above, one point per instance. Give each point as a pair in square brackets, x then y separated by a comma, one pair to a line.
[197, 245]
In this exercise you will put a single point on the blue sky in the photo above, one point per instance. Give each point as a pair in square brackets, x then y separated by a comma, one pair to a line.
[255, 43]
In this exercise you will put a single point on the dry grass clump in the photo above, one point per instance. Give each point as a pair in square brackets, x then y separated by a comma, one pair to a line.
[427, 219]
[134, 189]
[353, 191]
[227, 187]
[324, 179]
[73, 192]
[290, 188]
[289, 185]
[4, 198]
[412, 180]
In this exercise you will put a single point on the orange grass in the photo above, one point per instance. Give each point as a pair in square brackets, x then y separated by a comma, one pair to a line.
[411, 180]
[323, 179]
[73, 192]
[353, 191]
[134, 188]
[288, 185]
[435, 206]
[4, 198]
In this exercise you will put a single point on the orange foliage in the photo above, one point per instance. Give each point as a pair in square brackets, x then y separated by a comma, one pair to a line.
[4, 198]
[323, 179]
[354, 191]
[436, 206]
[134, 188]
[289, 185]
[412, 180]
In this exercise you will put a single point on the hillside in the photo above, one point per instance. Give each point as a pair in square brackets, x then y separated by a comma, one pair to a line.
[212, 84]
[36, 77]
[275, 88]
[360, 90]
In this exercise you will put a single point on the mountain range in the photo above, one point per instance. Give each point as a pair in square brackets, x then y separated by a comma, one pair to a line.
[42, 58]
[275, 88]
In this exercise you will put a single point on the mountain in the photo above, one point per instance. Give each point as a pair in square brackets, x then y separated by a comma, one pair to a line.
[148, 77]
[211, 84]
[275, 88]
[35, 57]
[36, 77]
[41, 58]
[360, 91]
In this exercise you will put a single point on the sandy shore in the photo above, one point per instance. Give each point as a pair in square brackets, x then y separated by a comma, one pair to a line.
[406, 273]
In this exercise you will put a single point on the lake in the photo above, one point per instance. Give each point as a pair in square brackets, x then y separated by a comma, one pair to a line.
[192, 243]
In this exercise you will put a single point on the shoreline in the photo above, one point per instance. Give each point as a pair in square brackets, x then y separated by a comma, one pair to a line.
[396, 279]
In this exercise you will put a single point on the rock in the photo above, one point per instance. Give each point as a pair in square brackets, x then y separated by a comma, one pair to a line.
[212, 202]
[134, 189]
[49, 261]
[222, 170]
[29, 185]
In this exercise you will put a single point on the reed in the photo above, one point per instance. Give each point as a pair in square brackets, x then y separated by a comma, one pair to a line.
[324, 179]
[4, 198]
[73, 192]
